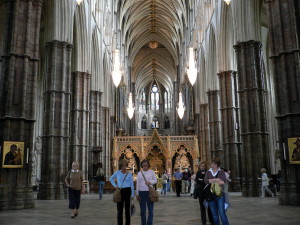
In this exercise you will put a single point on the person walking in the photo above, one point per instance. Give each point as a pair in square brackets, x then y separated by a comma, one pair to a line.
[125, 182]
[74, 182]
[164, 181]
[200, 185]
[217, 205]
[145, 178]
[178, 178]
[101, 181]
[265, 183]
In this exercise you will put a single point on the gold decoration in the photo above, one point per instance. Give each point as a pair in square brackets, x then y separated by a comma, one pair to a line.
[153, 44]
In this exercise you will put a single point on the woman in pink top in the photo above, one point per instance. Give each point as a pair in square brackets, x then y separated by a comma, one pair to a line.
[142, 191]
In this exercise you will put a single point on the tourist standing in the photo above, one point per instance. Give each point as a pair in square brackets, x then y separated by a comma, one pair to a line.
[178, 178]
[145, 178]
[265, 183]
[164, 181]
[101, 181]
[185, 182]
[125, 182]
[217, 204]
[226, 185]
[74, 182]
[200, 185]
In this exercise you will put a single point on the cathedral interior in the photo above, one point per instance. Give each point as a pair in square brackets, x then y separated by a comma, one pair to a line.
[173, 81]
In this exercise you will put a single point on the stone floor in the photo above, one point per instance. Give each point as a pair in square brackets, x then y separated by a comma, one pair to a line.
[169, 211]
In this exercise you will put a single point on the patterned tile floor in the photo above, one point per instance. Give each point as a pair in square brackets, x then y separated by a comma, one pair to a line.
[169, 211]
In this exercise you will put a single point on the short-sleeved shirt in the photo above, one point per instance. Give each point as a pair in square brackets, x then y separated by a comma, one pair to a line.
[178, 175]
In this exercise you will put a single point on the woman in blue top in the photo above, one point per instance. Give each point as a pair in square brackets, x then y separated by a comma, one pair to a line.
[125, 182]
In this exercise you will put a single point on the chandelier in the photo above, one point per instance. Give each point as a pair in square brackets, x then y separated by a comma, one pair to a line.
[192, 71]
[130, 108]
[79, 2]
[116, 73]
[181, 107]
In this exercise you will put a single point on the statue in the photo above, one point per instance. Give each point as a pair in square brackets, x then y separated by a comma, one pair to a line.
[167, 123]
[144, 122]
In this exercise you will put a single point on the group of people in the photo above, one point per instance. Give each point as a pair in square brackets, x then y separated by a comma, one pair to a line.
[145, 178]
[212, 205]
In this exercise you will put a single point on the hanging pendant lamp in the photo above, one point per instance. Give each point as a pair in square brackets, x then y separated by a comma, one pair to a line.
[130, 108]
[192, 71]
[116, 73]
[181, 107]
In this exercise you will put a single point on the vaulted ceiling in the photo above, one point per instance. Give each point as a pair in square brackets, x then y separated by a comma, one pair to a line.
[152, 33]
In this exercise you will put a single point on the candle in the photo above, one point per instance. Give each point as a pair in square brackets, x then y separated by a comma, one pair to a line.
[27, 155]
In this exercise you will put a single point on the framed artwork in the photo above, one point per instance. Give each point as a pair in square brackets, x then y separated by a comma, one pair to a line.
[13, 154]
[294, 150]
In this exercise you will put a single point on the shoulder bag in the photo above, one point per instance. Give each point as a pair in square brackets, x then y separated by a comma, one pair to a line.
[117, 193]
[153, 195]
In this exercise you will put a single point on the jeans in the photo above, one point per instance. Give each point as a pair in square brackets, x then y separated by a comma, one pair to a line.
[168, 186]
[164, 189]
[145, 200]
[217, 208]
[265, 189]
[125, 198]
[74, 198]
[100, 188]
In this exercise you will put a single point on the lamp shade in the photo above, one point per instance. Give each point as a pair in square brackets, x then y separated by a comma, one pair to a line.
[181, 107]
[116, 73]
[130, 108]
[192, 71]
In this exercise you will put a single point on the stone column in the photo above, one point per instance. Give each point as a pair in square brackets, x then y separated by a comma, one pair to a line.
[56, 134]
[254, 129]
[175, 127]
[18, 80]
[205, 153]
[80, 101]
[215, 125]
[230, 125]
[95, 123]
[106, 141]
[284, 33]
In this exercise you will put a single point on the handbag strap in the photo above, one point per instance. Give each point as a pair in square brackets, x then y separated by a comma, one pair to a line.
[144, 177]
[123, 180]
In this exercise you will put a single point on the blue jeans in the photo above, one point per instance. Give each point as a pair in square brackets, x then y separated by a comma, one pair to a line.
[144, 196]
[164, 189]
[217, 208]
[100, 188]
[168, 186]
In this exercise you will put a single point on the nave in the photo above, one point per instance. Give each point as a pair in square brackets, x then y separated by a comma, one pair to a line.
[169, 211]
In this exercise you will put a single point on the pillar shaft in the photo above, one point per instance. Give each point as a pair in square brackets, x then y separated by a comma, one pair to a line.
[230, 125]
[80, 106]
[95, 123]
[56, 134]
[216, 147]
[252, 101]
[204, 133]
[284, 33]
[18, 80]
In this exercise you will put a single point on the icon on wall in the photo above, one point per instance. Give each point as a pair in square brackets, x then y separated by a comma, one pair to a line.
[13, 154]
[294, 150]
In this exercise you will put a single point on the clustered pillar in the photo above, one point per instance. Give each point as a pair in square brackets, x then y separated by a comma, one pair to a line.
[285, 31]
[215, 125]
[56, 134]
[252, 101]
[230, 126]
[18, 84]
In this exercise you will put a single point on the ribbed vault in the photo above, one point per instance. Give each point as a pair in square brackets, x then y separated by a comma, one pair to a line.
[158, 22]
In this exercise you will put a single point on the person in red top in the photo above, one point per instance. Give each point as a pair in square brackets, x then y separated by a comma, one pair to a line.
[217, 204]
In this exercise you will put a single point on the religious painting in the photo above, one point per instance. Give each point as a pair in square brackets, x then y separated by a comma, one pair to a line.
[13, 154]
[294, 150]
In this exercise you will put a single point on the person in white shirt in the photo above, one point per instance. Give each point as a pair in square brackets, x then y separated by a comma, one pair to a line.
[142, 190]
[265, 183]
[164, 181]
